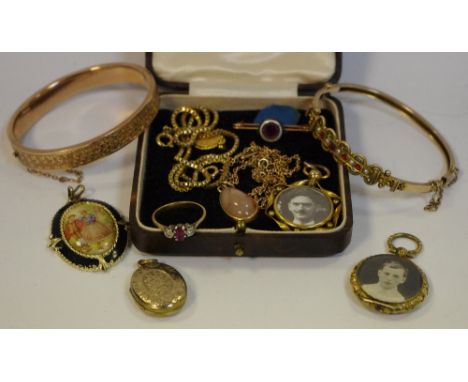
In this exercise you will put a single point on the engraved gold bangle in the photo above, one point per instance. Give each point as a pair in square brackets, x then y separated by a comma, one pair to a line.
[371, 173]
[47, 98]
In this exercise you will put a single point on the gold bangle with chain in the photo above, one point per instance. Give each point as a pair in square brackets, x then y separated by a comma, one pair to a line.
[371, 173]
[70, 158]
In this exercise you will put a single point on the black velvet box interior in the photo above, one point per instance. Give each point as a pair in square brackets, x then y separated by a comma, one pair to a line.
[159, 161]
[152, 190]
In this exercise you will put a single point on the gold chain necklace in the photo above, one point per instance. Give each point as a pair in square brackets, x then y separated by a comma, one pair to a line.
[269, 167]
[195, 128]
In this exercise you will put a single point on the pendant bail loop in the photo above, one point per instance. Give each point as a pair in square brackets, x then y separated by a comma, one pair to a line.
[401, 251]
[74, 193]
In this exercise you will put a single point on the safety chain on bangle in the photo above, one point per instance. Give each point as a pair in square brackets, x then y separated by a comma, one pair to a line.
[60, 178]
[195, 128]
[269, 167]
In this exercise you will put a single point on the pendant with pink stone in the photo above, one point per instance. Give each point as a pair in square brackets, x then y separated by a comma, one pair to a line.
[239, 206]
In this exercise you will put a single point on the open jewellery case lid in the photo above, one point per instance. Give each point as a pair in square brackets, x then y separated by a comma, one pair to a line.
[237, 85]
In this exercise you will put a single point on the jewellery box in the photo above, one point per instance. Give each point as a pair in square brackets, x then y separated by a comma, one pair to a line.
[238, 86]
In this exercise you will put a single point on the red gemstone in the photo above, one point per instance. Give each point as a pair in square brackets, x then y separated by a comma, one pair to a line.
[344, 157]
[358, 167]
[322, 135]
[271, 131]
[179, 234]
[332, 146]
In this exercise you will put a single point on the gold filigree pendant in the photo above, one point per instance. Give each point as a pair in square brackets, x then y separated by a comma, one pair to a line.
[391, 283]
[158, 288]
[88, 234]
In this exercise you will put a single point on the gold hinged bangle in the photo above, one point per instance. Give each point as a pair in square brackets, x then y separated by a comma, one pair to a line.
[371, 173]
[77, 155]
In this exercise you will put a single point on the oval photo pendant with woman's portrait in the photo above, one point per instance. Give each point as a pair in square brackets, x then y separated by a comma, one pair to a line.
[88, 234]
[389, 283]
[89, 228]
[303, 207]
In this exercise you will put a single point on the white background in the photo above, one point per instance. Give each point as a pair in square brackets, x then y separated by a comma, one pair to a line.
[38, 290]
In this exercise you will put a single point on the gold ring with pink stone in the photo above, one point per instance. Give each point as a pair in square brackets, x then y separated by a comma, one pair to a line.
[179, 231]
